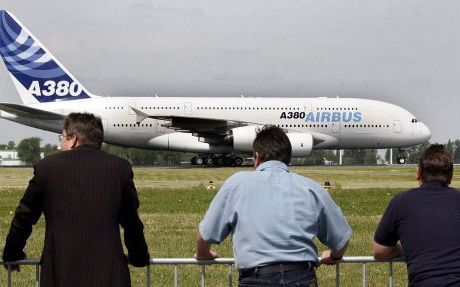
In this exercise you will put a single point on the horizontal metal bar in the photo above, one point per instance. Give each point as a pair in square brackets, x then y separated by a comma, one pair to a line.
[23, 262]
[160, 261]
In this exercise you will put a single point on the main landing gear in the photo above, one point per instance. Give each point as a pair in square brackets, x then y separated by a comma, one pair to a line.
[217, 160]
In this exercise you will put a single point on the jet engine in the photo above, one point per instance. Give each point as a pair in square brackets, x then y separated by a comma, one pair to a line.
[241, 139]
[301, 143]
[186, 142]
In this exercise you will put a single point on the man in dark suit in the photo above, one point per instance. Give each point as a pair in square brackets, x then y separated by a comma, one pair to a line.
[85, 195]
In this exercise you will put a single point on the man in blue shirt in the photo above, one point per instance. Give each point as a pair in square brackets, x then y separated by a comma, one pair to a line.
[426, 221]
[274, 215]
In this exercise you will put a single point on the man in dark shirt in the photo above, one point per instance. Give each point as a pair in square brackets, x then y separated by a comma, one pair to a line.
[426, 221]
[85, 196]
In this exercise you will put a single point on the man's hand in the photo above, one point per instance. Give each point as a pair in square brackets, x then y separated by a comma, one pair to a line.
[203, 249]
[13, 267]
[206, 256]
[330, 257]
[327, 259]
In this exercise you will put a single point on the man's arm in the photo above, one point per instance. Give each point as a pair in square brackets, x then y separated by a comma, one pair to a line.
[215, 225]
[382, 252]
[27, 214]
[138, 254]
[385, 245]
[333, 231]
[203, 249]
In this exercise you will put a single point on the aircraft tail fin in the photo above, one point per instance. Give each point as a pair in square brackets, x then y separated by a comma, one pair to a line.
[38, 76]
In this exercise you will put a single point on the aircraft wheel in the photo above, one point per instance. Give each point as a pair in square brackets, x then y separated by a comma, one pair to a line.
[199, 161]
[401, 160]
[220, 161]
[238, 161]
[209, 161]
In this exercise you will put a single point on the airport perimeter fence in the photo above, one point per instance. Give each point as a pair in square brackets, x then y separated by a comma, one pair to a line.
[176, 262]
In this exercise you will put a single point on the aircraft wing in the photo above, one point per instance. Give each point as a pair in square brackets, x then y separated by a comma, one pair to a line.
[28, 112]
[199, 126]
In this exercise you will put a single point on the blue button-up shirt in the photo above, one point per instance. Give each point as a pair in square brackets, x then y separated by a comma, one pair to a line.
[274, 216]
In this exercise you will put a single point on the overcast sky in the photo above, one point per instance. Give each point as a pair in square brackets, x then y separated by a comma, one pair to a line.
[403, 52]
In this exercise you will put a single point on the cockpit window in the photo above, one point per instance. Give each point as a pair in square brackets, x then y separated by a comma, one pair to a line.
[414, 120]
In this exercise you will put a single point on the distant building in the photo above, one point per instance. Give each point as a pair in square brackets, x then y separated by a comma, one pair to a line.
[9, 157]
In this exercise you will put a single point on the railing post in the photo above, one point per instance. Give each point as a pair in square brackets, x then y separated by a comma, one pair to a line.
[230, 275]
[9, 275]
[203, 275]
[149, 276]
[37, 275]
[390, 276]
[337, 275]
[176, 276]
[363, 270]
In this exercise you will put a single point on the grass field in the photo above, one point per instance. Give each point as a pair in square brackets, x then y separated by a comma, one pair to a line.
[173, 202]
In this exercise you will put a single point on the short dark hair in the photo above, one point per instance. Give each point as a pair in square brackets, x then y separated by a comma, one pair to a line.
[436, 165]
[272, 143]
[86, 127]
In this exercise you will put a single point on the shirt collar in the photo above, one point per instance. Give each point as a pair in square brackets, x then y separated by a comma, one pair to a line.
[433, 184]
[272, 164]
[84, 147]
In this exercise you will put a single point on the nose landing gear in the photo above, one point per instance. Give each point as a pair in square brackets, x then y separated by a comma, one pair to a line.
[401, 159]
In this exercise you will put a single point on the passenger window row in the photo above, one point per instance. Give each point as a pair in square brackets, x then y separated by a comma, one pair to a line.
[302, 126]
[336, 109]
[366, 126]
[132, 125]
[250, 108]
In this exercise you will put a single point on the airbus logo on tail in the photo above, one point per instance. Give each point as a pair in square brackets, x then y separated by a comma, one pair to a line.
[61, 89]
[41, 75]
[324, 116]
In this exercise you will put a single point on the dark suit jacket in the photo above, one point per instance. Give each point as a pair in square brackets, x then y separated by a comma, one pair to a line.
[85, 195]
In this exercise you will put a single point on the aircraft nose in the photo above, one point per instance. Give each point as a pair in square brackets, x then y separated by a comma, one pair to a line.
[425, 132]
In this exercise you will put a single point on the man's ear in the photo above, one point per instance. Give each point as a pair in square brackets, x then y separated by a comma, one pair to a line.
[75, 142]
[451, 175]
[419, 174]
[256, 159]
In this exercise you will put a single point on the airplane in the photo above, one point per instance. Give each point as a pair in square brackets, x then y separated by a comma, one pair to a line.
[216, 128]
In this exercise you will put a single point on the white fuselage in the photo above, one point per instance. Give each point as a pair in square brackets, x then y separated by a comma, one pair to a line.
[342, 122]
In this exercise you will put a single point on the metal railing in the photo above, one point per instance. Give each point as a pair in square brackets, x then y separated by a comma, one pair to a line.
[35, 262]
[176, 262]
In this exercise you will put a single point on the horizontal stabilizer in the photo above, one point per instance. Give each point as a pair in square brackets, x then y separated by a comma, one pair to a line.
[28, 112]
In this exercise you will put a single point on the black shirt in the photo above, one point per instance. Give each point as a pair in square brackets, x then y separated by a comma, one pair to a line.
[427, 222]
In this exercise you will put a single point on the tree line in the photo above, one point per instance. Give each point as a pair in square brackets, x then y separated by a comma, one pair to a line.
[29, 151]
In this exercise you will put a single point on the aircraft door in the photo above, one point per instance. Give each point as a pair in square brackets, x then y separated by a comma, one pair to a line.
[307, 110]
[396, 126]
[335, 127]
[188, 108]
[105, 124]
